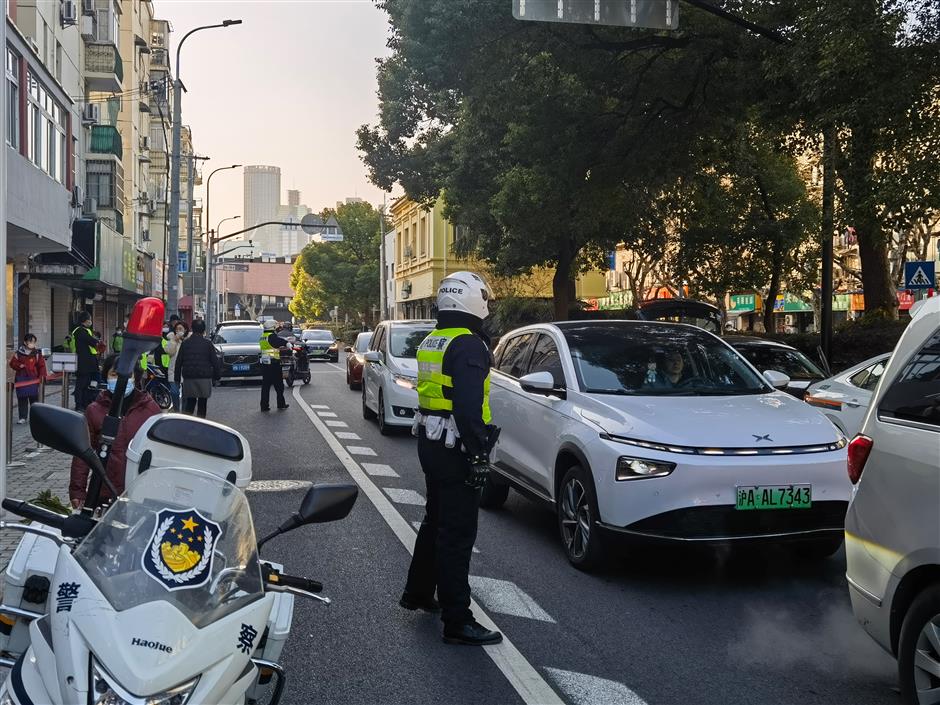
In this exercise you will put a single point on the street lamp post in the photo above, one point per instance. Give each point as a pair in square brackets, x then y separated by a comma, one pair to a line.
[174, 239]
[211, 238]
[208, 273]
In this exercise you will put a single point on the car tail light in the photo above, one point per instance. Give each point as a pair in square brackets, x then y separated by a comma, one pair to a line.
[859, 449]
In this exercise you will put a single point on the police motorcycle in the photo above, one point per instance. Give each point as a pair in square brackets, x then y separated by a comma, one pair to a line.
[162, 599]
[299, 368]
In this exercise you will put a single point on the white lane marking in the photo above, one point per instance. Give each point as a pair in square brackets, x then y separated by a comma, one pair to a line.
[336, 424]
[327, 414]
[584, 689]
[336, 367]
[277, 485]
[348, 436]
[522, 675]
[506, 597]
[378, 469]
[360, 450]
[417, 526]
[319, 406]
[400, 496]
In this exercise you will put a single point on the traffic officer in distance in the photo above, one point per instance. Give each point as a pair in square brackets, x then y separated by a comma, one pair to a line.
[271, 345]
[454, 441]
[85, 344]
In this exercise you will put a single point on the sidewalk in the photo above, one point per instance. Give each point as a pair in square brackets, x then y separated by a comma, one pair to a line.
[30, 471]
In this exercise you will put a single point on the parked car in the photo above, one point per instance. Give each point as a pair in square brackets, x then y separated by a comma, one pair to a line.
[235, 322]
[660, 432]
[696, 313]
[844, 398]
[770, 355]
[239, 348]
[390, 373]
[355, 359]
[321, 345]
[892, 531]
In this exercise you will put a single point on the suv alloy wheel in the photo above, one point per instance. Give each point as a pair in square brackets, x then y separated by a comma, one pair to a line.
[576, 505]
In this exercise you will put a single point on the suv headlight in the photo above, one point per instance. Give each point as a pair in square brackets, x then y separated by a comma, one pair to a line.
[406, 382]
[106, 691]
[638, 468]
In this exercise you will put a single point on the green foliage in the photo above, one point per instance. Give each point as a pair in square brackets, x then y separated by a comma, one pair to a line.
[342, 274]
[50, 501]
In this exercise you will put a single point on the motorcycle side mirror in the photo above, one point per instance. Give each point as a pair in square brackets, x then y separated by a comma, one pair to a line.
[61, 429]
[322, 503]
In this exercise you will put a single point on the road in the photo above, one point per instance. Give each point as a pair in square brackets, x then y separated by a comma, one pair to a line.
[656, 627]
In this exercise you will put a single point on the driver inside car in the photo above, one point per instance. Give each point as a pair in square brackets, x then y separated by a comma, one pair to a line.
[668, 373]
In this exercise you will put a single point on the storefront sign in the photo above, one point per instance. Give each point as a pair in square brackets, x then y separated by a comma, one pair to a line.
[841, 302]
[745, 303]
[905, 300]
[616, 300]
[129, 270]
[790, 303]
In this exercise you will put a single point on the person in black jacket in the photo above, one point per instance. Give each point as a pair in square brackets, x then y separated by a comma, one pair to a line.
[197, 364]
[85, 345]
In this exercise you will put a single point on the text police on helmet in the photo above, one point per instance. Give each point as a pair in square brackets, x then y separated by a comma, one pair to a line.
[464, 291]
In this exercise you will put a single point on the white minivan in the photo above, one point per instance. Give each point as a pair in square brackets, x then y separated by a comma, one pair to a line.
[892, 531]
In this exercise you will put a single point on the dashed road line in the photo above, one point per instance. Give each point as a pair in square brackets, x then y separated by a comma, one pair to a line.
[585, 689]
[522, 675]
[378, 469]
[506, 597]
[318, 406]
[403, 496]
[336, 424]
[327, 414]
[360, 450]
[348, 436]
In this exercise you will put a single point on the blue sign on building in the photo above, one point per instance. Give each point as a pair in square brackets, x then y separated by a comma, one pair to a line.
[920, 275]
[183, 263]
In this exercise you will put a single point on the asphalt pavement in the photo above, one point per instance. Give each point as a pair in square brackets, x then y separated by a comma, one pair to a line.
[656, 626]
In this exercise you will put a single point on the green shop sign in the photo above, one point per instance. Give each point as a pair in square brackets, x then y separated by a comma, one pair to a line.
[742, 303]
[790, 303]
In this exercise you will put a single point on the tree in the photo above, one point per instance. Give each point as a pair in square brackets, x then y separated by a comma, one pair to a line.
[342, 274]
[251, 305]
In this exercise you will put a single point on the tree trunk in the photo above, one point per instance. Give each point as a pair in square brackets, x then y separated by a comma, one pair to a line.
[880, 290]
[561, 282]
[773, 289]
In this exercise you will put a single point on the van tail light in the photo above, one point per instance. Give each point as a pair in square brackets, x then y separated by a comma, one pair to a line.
[859, 449]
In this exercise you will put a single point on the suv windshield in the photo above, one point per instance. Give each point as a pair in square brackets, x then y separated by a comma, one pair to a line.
[323, 336]
[241, 336]
[792, 363]
[649, 359]
[180, 536]
[406, 339]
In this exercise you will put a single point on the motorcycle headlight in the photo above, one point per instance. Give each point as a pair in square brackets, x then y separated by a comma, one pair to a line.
[406, 382]
[107, 691]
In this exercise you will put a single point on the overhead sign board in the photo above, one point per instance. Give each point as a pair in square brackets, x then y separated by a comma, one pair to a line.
[920, 275]
[647, 14]
[332, 237]
[234, 267]
[64, 362]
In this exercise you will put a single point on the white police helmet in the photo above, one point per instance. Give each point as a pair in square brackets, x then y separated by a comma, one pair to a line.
[464, 291]
[270, 324]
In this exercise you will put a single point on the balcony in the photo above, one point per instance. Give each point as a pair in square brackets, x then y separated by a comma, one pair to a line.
[104, 69]
[105, 139]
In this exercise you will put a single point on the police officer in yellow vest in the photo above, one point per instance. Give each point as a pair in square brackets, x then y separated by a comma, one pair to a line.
[271, 344]
[454, 441]
[85, 345]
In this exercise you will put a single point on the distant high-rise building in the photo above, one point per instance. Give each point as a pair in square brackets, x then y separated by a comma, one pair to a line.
[261, 201]
[349, 199]
[293, 198]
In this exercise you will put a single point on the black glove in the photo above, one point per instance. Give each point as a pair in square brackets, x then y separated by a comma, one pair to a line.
[479, 472]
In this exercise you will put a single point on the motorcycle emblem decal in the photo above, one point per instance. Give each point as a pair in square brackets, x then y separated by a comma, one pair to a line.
[180, 552]
[765, 437]
[65, 596]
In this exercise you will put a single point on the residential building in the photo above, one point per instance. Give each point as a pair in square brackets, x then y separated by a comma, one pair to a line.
[262, 198]
[349, 200]
[252, 288]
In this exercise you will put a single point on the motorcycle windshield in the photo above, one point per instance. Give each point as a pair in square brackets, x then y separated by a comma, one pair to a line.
[176, 535]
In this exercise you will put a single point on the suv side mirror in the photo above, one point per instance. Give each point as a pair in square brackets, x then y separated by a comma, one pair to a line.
[373, 356]
[777, 380]
[541, 383]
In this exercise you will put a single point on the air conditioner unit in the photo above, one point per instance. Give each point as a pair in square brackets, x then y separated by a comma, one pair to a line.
[88, 7]
[69, 13]
[408, 252]
[90, 206]
[78, 197]
[91, 115]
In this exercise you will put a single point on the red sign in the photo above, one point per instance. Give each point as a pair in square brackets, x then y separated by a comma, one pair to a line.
[905, 300]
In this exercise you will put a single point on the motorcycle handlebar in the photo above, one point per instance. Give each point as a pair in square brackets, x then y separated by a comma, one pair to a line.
[295, 582]
[34, 513]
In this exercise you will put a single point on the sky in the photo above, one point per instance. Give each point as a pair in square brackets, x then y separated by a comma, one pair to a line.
[288, 88]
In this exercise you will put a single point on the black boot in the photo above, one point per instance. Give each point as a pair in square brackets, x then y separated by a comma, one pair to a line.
[470, 634]
[428, 604]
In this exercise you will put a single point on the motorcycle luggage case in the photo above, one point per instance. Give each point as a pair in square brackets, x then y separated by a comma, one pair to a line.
[177, 441]
[26, 584]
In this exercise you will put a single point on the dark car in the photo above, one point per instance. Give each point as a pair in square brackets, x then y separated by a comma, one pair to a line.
[239, 348]
[696, 313]
[771, 355]
[321, 345]
[356, 359]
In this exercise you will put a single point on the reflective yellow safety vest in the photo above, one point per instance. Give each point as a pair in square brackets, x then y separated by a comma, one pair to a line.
[165, 355]
[268, 350]
[91, 348]
[431, 378]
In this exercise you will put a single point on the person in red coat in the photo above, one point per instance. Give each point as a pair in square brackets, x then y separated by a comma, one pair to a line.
[138, 407]
[30, 367]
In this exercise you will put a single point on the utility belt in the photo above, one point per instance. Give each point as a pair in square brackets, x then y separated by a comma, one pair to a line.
[436, 427]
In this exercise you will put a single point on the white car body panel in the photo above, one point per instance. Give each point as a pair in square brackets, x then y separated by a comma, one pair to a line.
[854, 400]
[380, 377]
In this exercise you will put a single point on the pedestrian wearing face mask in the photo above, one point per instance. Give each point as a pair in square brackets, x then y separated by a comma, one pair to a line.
[138, 407]
[30, 367]
[86, 347]
[174, 339]
[197, 365]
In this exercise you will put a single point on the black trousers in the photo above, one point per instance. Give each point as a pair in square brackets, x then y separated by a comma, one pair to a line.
[447, 534]
[271, 377]
[199, 405]
[23, 403]
[83, 381]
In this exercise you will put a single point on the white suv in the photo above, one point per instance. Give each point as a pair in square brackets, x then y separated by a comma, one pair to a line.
[892, 531]
[390, 373]
[661, 431]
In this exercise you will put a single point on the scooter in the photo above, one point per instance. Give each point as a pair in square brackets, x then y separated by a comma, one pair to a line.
[157, 386]
[163, 598]
[301, 367]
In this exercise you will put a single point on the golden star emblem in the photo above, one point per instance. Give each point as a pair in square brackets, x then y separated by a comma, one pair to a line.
[190, 524]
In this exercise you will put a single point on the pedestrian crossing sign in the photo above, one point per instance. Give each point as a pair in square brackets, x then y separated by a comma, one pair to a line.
[920, 275]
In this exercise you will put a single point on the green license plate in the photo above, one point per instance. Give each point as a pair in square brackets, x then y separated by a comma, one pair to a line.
[774, 497]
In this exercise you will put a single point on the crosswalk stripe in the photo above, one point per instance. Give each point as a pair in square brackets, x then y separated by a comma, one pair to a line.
[348, 436]
[378, 469]
[327, 414]
[336, 424]
[506, 597]
[402, 496]
[584, 689]
[360, 450]
[319, 406]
